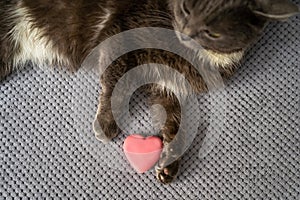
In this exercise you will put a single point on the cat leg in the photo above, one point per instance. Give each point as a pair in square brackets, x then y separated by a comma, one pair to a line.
[104, 125]
[168, 132]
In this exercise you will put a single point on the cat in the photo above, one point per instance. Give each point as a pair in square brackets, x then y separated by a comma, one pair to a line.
[62, 33]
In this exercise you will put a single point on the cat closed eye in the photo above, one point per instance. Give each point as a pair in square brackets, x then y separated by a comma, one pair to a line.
[212, 34]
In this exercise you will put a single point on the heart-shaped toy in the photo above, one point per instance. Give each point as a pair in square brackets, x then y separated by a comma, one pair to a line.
[142, 153]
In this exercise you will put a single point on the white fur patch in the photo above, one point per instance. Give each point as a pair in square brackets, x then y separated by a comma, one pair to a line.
[33, 45]
[103, 20]
[222, 59]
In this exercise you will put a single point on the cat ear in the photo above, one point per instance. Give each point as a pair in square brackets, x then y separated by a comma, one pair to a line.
[276, 9]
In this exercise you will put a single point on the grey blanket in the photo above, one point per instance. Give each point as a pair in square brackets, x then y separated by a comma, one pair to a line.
[48, 148]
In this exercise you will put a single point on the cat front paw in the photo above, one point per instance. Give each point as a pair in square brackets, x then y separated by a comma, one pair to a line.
[167, 174]
[105, 128]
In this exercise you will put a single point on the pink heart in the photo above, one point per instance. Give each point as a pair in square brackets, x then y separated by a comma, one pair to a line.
[142, 153]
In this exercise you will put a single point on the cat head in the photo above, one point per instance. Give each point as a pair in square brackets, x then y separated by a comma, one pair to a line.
[225, 28]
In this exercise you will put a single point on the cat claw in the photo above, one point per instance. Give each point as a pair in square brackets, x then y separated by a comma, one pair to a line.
[167, 174]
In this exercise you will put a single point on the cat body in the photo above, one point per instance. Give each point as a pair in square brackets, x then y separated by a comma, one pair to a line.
[62, 33]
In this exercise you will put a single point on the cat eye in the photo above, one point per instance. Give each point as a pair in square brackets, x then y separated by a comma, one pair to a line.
[185, 9]
[212, 34]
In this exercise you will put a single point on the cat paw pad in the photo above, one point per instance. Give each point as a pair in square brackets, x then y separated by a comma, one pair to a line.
[168, 174]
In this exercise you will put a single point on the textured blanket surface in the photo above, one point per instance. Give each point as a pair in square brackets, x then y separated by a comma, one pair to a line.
[48, 148]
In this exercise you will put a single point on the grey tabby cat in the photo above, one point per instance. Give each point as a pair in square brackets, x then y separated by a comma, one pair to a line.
[62, 33]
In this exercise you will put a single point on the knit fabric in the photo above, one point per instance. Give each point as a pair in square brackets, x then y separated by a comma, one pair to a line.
[48, 148]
